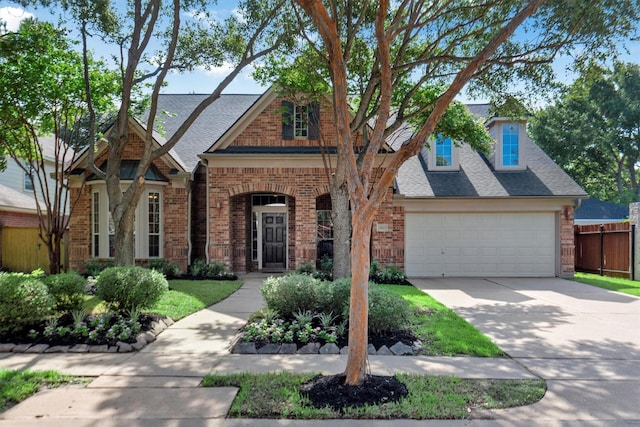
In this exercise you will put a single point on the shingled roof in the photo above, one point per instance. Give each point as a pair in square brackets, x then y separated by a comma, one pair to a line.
[478, 178]
[214, 121]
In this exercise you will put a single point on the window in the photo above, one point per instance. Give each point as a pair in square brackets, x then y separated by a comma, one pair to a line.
[510, 145]
[300, 121]
[154, 224]
[28, 173]
[444, 151]
[95, 224]
[324, 233]
[147, 225]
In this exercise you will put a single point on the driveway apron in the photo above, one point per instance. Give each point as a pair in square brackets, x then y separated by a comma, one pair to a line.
[585, 341]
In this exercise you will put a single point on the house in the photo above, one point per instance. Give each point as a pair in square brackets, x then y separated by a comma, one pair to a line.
[594, 211]
[247, 186]
[19, 219]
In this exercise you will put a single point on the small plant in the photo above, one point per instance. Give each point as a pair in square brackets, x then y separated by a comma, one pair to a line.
[93, 267]
[67, 291]
[306, 268]
[78, 316]
[291, 293]
[303, 317]
[123, 288]
[266, 313]
[168, 268]
[326, 319]
[198, 268]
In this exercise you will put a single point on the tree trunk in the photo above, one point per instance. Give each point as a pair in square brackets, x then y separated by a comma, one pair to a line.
[124, 252]
[341, 231]
[359, 306]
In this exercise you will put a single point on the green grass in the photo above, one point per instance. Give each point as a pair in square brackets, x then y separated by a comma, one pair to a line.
[16, 386]
[443, 333]
[618, 284]
[277, 396]
[188, 296]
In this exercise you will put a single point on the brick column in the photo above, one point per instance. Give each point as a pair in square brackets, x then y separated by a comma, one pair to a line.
[567, 242]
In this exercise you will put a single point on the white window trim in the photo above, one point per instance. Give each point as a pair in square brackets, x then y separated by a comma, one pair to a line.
[141, 246]
[455, 158]
[303, 111]
[499, 165]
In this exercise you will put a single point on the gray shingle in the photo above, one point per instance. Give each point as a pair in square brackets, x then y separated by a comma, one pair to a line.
[214, 121]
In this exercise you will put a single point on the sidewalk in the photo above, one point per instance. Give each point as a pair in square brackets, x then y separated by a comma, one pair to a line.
[160, 384]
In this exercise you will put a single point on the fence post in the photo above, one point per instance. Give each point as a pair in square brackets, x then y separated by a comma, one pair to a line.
[602, 249]
[632, 261]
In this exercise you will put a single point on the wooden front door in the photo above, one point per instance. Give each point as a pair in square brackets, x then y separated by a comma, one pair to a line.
[274, 240]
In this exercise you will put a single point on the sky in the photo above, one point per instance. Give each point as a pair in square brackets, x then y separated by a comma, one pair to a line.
[205, 81]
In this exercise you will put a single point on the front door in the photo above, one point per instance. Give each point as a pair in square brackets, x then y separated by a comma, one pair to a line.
[274, 240]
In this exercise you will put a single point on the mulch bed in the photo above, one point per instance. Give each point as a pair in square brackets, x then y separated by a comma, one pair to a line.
[333, 392]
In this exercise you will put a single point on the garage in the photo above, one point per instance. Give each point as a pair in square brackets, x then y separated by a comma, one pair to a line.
[484, 244]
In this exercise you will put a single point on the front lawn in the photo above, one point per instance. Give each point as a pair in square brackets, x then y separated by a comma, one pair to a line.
[16, 386]
[618, 284]
[442, 332]
[185, 297]
[278, 396]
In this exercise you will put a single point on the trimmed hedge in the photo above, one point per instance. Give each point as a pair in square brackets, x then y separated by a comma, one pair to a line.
[67, 291]
[24, 301]
[125, 288]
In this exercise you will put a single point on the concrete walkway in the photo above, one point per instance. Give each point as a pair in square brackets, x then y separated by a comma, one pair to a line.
[584, 341]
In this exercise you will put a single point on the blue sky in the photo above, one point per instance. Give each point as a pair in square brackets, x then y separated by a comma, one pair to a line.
[205, 81]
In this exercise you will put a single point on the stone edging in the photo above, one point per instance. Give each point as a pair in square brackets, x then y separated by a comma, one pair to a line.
[142, 339]
[398, 349]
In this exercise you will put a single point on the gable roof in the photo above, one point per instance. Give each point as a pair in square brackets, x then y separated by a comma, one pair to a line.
[12, 200]
[208, 128]
[477, 177]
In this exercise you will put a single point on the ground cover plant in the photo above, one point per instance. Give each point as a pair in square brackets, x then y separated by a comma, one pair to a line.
[428, 397]
[618, 284]
[302, 309]
[68, 309]
[17, 385]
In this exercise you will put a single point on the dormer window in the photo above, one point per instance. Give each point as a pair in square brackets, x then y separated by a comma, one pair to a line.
[300, 121]
[443, 155]
[510, 145]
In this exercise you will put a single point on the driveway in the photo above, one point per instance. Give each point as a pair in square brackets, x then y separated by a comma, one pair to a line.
[585, 341]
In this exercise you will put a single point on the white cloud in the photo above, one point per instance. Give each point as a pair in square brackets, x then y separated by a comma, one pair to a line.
[12, 16]
[222, 70]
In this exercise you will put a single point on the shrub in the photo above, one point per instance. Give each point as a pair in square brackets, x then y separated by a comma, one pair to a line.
[198, 268]
[124, 288]
[290, 294]
[168, 268]
[306, 268]
[93, 267]
[24, 300]
[215, 269]
[67, 291]
[333, 297]
[391, 275]
[387, 311]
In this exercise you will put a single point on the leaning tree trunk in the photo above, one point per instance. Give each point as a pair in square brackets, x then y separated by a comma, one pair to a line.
[341, 231]
[359, 306]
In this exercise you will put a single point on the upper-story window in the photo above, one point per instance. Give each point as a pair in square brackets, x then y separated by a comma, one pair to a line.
[28, 183]
[444, 151]
[510, 145]
[443, 154]
[300, 121]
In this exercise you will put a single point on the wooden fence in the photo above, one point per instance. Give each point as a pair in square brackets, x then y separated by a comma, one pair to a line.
[605, 249]
[22, 250]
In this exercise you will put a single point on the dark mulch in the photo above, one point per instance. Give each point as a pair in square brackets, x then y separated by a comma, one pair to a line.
[331, 391]
[146, 321]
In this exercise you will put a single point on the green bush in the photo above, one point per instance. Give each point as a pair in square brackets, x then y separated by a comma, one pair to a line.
[24, 300]
[124, 288]
[306, 268]
[290, 294]
[215, 269]
[67, 291]
[168, 268]
[387, 311]
[93, 267]
[212, 270]
[333, 297]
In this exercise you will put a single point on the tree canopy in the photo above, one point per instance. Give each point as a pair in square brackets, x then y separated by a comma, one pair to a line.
[43, 96]
[593, 131]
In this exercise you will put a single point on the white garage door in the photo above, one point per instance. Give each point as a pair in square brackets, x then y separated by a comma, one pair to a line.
[482, 244]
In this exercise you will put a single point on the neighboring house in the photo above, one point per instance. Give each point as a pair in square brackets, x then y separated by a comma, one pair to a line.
[247, 186]
[17, 203]
[594, 211]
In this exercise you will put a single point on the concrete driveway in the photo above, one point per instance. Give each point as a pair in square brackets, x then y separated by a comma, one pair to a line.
[585, 341]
